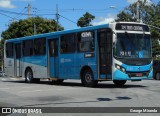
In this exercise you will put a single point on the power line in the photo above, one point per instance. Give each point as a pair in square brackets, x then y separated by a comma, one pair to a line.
[67, 19]
[62, 10]
[11, 12]
[7, 16]
[22, 11]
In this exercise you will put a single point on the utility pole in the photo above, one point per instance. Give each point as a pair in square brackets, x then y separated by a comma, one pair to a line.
[57, 17]
[138, 18]
[35, 29]
[29, 10]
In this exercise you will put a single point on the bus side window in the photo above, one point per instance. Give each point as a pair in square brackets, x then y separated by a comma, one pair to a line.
[40, 46]
[27, 48]
[9, 50]
[86, 41]
[68, 44]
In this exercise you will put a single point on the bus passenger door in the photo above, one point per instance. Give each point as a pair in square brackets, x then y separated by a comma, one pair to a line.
[53, 57]
[18, 64]
[105, 53]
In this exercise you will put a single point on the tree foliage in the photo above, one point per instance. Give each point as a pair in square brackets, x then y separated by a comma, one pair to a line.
[25, 27]
[149, 14]
[85, 20]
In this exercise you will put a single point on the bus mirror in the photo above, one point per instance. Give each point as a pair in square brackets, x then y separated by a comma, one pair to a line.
[114, 32]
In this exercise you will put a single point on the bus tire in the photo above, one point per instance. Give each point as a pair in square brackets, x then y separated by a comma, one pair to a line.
[119, 83]
[157, 76]
[88, 79]
[29, 76]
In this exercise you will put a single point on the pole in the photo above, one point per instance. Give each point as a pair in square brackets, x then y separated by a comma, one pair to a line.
[57, 17]
[138, 20]
[29, 10]
[35, 29]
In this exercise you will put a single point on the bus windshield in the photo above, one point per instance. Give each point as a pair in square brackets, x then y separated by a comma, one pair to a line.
[132, 45]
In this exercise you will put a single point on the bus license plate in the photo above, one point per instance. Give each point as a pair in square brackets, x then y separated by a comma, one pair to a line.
[138, 74]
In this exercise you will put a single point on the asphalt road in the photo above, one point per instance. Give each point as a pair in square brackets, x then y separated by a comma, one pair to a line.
[14, 92]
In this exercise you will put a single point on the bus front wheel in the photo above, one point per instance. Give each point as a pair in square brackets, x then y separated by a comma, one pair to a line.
[119, 83]
[88, 79]
[29, 76]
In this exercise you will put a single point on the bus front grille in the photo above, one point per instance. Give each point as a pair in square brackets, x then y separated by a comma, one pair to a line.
[138, 74]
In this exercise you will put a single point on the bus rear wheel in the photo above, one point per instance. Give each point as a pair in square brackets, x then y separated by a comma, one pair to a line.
[29, 76]
[119, 83]
[88, 79]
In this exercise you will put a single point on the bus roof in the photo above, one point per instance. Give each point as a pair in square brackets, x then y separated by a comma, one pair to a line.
[59, 32]
[71, 31]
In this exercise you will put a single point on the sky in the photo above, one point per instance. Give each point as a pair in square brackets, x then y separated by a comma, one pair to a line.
[70, 10]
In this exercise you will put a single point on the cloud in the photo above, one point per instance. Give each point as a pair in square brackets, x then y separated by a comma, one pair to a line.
[104, 20]
[133, 1]
[6, 4]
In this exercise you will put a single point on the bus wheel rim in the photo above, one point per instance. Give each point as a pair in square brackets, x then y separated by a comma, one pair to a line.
[29, 76]
[88, 77]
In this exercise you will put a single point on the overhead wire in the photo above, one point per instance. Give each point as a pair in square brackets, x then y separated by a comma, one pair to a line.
[23, 11]
[6, 15]
[49, 12]
[67, 19]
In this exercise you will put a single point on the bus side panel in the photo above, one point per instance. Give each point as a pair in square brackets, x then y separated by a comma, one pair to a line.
[9, 66]
[38, 66]
[8, 62]
[67, 66]
[83, 61]
[72, 64]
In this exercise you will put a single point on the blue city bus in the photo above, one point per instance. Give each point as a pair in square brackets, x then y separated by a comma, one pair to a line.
[117, 52]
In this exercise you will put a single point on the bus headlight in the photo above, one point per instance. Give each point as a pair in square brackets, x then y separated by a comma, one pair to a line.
[120, 68]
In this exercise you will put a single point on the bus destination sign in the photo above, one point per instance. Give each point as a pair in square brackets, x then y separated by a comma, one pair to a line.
[132, 27]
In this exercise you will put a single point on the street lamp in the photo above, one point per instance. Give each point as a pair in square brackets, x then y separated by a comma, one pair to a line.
[114, 7]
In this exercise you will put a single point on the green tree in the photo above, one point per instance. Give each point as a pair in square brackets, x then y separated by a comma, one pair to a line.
[124, 16]
[155, 48]
[25, 27]
[85, 20]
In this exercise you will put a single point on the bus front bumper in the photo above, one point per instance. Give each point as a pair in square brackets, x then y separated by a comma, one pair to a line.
[119, 75]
